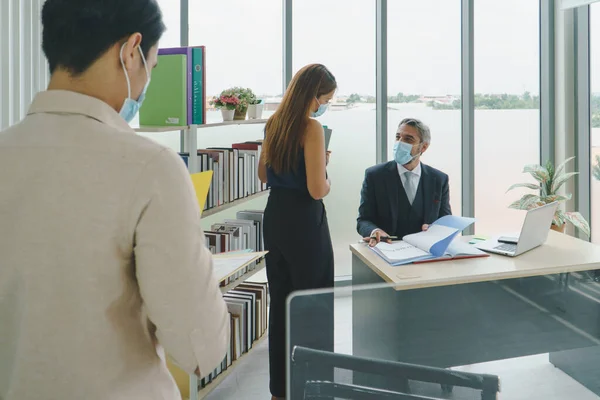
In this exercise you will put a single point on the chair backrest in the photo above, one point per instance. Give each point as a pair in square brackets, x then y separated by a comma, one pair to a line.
[304, 358]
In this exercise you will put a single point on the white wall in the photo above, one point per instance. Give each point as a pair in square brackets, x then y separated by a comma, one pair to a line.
[23, 67]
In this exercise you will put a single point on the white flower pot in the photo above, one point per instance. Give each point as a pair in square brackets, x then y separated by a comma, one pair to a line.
[227, 114]
[255, 111]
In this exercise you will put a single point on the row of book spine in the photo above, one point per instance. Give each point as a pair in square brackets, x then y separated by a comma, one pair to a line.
[235, 172]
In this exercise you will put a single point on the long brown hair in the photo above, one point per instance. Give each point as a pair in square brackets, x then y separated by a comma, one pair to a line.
[285, 129]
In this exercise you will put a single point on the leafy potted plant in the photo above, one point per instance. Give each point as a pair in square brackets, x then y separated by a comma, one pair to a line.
[245, 95]
[255, 108]
[227, 103]
[550, 180]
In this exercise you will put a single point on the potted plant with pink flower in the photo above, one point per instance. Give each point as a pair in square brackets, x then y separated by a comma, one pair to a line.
[227, 103]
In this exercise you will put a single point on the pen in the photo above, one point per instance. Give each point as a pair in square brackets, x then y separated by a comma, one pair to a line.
[386, 238]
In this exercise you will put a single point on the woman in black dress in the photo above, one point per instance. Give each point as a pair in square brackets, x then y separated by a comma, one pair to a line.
[296, 233]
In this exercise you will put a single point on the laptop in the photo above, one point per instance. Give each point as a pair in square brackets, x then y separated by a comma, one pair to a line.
[534, 233]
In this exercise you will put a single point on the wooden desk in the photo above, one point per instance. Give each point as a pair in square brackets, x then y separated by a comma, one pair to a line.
[469, 311]
[561, 253]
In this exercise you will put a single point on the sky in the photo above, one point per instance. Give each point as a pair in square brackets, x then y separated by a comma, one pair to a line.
[244, 43]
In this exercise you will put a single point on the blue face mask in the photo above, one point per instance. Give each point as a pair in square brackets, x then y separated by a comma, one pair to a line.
[402, 153]
[322, 108]
[131, 107]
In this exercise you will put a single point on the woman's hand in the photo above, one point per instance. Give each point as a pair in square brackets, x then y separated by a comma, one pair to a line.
[327, 154]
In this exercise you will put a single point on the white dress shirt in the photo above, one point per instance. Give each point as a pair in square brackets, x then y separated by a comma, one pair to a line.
[102, 260]
[416, 178]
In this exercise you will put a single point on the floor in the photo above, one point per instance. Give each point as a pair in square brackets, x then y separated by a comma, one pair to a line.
[523, 378]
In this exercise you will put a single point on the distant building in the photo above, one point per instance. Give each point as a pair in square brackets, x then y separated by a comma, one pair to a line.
[445, 99]
[340, 106]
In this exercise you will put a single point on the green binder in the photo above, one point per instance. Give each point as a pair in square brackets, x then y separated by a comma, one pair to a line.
[166, 99]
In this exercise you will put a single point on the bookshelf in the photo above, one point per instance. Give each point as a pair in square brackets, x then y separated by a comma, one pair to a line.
[189, 141]
[231, 204]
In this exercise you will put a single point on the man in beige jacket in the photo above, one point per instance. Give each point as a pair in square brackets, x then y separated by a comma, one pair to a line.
[102, 258]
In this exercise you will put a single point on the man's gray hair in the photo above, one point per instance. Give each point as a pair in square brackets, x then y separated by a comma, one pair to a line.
[423, 129]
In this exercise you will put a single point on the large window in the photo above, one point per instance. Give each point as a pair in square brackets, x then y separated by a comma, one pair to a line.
[507, 132]
[595, 120]
[239, 55]
[171, 10]
[243, 44]
[341, 35]
[424, 81]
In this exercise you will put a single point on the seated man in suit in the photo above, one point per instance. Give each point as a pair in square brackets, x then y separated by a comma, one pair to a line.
[403, 196]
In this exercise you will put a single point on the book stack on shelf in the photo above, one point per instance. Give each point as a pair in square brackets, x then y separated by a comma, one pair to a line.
[235, 172]
[177, 92]
[243, 234]
[247, 306]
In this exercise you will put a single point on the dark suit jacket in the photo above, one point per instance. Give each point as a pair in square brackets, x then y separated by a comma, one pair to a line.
[379, 201]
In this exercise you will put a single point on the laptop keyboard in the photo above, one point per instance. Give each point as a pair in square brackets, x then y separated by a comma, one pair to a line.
[507, 247]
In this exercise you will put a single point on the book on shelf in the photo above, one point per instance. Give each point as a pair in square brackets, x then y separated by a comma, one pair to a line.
[187, 53]
[437, 243]
[213, 161]
[201, 182]
[256, 217]
[249, 233]
[253, 149]
[198, 85]
[236, 239]
[166, 99]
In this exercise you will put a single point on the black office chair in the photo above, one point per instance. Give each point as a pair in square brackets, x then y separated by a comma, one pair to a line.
[305, 387]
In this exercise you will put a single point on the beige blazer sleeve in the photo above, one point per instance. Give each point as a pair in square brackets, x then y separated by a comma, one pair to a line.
[174, 268]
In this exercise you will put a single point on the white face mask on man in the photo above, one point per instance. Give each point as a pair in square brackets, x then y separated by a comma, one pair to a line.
[403, 153]
[130, 106]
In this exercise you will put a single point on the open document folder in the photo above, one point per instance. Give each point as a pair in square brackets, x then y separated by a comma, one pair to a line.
[202, 181]
[436, 243]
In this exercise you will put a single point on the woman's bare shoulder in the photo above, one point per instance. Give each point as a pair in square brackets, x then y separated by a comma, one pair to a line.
[313, 128]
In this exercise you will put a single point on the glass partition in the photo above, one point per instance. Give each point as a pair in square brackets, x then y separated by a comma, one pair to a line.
[532, 338]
